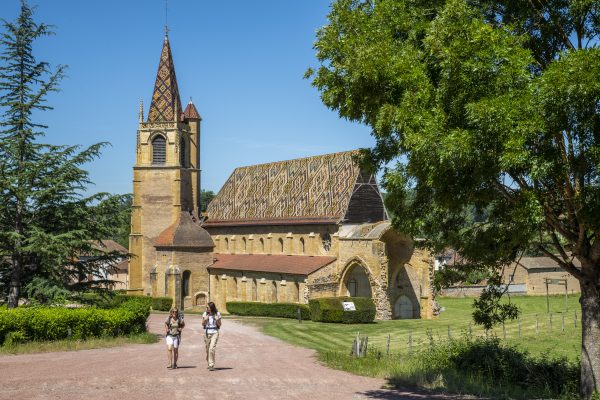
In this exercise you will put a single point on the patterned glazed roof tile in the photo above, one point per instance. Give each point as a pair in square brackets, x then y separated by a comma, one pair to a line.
[281, 221]
[297, 265]
[318, 187]
[165, 98]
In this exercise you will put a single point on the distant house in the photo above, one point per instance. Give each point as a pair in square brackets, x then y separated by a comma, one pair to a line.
[525, 276]
[117, 271]
[447, 257]
[532, 272]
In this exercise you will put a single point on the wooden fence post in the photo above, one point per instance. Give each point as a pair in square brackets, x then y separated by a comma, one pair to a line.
[388, 344]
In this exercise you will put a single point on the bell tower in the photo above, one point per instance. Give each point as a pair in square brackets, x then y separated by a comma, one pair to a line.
[166, 174]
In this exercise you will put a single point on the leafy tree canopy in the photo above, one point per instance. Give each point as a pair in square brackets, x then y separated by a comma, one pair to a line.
[46, 221]
[483, 105]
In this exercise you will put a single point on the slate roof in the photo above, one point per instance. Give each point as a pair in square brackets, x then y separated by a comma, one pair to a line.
[295, 265]
[301, 191]
[535, 263]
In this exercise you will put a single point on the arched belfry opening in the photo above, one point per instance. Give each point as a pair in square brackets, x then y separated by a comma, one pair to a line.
[159, 150]
[356, 281]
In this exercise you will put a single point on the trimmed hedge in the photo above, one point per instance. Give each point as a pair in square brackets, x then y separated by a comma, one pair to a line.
[330, 309]
[53, 323]
[281, 310]
[162, 303]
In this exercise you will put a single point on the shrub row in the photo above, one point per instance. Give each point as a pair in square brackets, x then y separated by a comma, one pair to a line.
[162, 303]
[113, 301]
[330, 309]
[44, 323]
[281, 310]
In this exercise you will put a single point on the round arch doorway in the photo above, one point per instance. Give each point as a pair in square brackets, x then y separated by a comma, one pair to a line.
[356, 282]
[403, 308]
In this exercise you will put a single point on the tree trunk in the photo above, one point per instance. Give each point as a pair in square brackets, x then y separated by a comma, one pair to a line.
[590, 340]
[14, 291]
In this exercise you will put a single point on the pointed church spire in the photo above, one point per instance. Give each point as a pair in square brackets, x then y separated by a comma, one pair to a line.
[166, 103]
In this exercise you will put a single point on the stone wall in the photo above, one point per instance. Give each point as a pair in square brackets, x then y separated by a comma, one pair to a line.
[227, 285]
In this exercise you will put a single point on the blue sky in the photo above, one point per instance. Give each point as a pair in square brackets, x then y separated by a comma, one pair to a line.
[241, 61]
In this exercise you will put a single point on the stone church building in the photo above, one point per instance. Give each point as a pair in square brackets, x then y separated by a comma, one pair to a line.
[285, 231]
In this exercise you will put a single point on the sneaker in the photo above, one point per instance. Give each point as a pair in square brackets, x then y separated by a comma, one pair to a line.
[211, 368]
[174, 366]
[169, 366]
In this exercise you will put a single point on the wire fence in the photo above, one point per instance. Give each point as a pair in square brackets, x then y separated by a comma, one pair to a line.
[526, 327]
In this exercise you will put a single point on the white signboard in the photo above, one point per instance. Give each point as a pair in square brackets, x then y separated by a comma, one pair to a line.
[348, 306]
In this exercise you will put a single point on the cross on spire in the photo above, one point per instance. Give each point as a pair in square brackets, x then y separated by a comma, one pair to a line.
[166, 17]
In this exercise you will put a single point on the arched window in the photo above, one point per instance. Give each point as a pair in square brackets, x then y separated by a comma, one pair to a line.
[182, 153]
[244, 244]
[326, 239]
[185, 283]
[226, 244]
[301, 245]
[262, 245]
[254, 290]
[159, 150]
[280, 245]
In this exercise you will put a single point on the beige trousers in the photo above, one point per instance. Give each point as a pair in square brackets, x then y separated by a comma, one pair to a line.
[210, 340]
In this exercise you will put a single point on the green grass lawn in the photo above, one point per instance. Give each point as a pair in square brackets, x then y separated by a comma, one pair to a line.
[454, 320]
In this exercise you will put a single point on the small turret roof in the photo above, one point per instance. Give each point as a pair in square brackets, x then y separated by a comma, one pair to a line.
[185, 232]
[191, 112]
[165, 98]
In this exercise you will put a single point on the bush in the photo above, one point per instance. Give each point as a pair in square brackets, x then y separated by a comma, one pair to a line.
[53, 323]
[483, 366]
[162, 303]
[330, 309]
[281, 310]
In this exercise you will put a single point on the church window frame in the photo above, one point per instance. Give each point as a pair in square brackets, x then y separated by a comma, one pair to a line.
[302, 249]
[182, 155]
[159, 150]
[280, 241]
[186, 278]
[262, 245]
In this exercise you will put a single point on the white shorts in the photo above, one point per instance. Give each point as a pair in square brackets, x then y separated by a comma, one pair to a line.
[172, 341]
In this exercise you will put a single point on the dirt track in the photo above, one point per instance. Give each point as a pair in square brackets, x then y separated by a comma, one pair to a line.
[249, 365]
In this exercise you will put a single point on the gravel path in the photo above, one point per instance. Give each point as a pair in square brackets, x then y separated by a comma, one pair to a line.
[250, 365]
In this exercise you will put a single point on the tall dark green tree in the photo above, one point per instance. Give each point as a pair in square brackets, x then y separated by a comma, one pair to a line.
[485, 105]
[206, 197]
[46, 223]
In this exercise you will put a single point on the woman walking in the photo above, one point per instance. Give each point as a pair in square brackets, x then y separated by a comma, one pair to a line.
[211, 321]
[174, 324]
